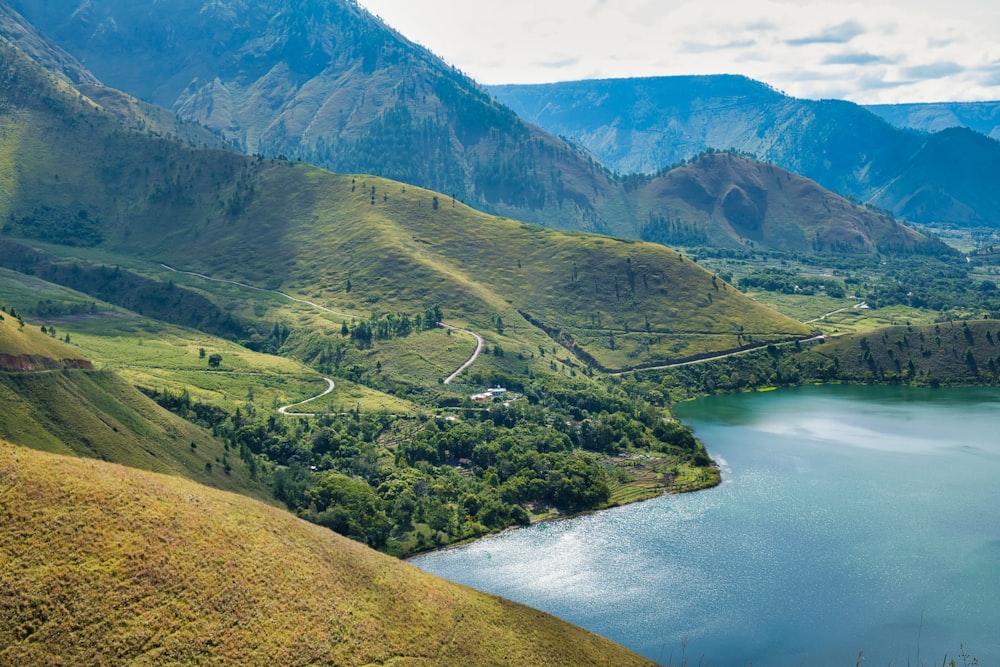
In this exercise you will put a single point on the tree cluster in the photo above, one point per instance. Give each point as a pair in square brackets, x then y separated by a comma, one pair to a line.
[407, 484]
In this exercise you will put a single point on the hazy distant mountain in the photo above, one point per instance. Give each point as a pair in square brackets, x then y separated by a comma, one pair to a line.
[324, 81]
[645, 124]
[983, 117]
[954, 176]
[27, 38]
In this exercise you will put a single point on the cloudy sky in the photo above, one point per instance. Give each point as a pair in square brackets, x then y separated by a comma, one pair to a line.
[878, 51]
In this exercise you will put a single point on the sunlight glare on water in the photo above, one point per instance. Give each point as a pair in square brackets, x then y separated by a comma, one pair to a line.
[850, 519]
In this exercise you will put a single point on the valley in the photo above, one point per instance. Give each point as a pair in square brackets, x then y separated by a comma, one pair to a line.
[300, 282]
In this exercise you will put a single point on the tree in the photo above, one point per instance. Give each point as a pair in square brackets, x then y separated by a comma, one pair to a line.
[215, 360]
[349, 507]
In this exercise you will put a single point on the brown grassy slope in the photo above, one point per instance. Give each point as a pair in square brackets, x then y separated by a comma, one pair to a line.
[23, 347]
[102, 564]
[736, 200]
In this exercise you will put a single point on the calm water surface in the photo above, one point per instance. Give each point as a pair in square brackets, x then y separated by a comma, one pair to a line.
[851, 519]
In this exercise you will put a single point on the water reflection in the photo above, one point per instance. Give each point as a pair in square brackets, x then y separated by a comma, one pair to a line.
[851, 518]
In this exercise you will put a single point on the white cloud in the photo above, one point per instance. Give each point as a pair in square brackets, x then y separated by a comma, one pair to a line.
[874, 51]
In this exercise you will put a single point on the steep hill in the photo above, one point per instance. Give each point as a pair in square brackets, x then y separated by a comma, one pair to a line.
[25, 36]
[644, 124]
[104, 564]
[726, 200]
[25, 349]
[357, 243]
[326, 82]
[49, 400]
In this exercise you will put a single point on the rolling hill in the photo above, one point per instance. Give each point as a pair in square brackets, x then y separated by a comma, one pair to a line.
[326, 82]
[724, 200]
[140, 568]
[53, 401]
[87, 186]
[645, 124]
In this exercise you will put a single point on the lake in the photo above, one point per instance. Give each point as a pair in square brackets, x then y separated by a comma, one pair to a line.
[850, 519]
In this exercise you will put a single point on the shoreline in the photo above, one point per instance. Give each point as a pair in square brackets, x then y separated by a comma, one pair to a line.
[711, 484]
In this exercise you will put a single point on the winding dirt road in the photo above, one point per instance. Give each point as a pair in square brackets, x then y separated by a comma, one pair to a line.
[283, 410]
[259, 289]
[480, 344]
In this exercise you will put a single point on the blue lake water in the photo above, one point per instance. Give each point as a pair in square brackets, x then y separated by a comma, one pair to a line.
[850, 520]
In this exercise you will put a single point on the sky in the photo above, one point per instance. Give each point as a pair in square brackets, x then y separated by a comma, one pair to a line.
[873, 52]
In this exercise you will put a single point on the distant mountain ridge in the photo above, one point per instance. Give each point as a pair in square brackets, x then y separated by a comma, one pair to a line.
[644, 124]
[328, 83]
[983, 117]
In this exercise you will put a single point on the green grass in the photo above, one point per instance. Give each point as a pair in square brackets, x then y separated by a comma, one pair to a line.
[97, 414]
[162, 356]
[308, 232]
[945, 353]
[109, 564]
[24, 340]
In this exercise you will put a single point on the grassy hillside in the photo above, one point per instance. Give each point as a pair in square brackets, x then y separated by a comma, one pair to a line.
[25, 348]
[950, 353]
[403, 251]
[106, 564]
[724, 200]
[50, 401]
[942, 354]
[355, 243]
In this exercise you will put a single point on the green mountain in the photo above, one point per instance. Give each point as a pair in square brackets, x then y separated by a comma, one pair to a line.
[356, 243]
[331, 84]
[326, 82]
[643, 124]
[144, 569]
